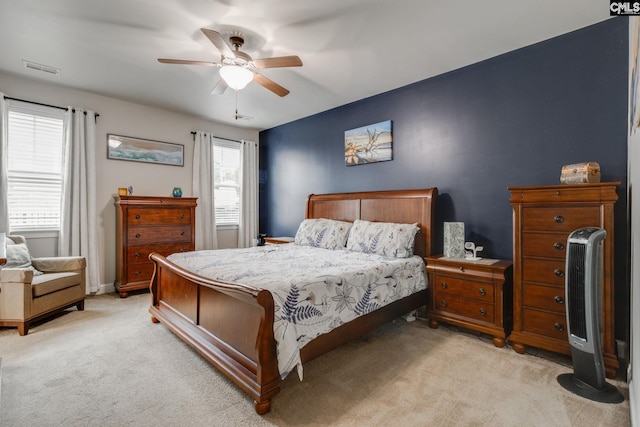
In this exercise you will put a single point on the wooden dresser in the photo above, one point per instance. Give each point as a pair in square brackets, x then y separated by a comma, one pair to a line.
[543, 218]
[474, 295]
[147, 224]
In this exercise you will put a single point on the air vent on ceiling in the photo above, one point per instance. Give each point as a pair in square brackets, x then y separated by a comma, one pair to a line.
[39, 67]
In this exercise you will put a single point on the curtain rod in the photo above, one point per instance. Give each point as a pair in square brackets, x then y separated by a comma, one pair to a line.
[47, 105]
[219, 137]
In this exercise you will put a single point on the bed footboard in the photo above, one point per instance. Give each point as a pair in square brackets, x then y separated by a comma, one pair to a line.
[198, 311]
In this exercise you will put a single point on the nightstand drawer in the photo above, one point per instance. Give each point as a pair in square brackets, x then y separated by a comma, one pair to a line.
[453, 304]
[545, 297]
[464, 288]
[548, 245]
[543, 271]
[559, 219]
[552, 325]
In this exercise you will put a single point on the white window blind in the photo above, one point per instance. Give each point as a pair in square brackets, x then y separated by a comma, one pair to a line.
[34, 173]
[226, 171]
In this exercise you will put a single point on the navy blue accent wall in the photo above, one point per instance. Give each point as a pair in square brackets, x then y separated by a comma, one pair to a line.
[512, 120]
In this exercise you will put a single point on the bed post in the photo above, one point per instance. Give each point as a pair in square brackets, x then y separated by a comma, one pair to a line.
[267, 373]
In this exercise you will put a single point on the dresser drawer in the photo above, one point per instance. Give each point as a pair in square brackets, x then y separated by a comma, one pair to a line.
[474, 309]
[139, 254]
[543, 271]
[560, 219]
[548, 245]
[160, 234]
[158, 216]
[559, 194]
[481, 291]
[552, 325]
[138, 272]
[545, 297]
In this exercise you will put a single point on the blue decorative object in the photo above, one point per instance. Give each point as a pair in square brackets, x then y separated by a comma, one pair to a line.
[177, 192]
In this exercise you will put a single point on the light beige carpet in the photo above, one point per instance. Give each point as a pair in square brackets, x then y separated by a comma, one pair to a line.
[110, 366]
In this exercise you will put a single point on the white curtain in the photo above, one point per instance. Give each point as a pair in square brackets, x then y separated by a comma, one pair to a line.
[78, 219]
[248, 226]
[4, 118]
[203, 180]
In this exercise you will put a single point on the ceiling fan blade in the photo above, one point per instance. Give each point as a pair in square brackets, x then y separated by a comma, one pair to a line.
[218, 42]
[279, 61]
[219, 88]
[187, 61]
[270, 84]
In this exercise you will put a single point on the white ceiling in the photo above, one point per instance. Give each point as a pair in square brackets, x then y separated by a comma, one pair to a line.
[351, 49]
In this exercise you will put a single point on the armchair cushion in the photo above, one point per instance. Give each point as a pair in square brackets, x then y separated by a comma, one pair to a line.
[53, 282]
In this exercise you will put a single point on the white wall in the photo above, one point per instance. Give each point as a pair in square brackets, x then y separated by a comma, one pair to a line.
[634, 212]
[129, 119]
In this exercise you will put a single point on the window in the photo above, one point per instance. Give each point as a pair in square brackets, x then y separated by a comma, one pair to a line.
[226, 170]
[34, 173]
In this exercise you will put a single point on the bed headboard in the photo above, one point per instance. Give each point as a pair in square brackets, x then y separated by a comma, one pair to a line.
[401, 206]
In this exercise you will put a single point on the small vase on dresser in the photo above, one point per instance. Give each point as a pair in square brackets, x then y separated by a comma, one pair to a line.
[543, 218]
[146, 224]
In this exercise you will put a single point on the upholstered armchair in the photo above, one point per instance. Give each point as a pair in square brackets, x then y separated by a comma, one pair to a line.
[34, 288]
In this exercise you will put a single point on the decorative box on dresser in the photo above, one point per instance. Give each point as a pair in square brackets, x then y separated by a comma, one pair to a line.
[543, 218]
[474, 295]
[146, 224]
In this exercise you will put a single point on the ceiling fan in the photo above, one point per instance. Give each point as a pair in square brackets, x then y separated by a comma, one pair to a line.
[237, 68]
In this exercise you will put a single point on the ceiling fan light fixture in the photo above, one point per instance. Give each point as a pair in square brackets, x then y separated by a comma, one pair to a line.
[235, 76]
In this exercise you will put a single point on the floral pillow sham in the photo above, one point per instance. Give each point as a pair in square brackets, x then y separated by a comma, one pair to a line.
[323, 233]
[382, 238]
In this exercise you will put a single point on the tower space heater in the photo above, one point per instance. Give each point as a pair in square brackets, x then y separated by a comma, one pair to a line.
[583, 288]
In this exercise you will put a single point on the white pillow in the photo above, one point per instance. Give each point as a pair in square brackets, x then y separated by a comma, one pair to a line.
[382, 238]
[18, 256]
[323, 233]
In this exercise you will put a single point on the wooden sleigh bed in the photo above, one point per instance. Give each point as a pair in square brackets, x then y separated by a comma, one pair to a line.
[231, 324]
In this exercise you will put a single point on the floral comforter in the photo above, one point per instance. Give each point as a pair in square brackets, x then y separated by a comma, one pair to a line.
[314, 290]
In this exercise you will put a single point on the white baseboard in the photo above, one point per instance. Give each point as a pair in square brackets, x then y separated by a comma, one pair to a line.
[106, 289]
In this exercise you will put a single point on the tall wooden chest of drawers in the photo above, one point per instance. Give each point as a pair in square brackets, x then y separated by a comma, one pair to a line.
[147, 224]
[543, 218]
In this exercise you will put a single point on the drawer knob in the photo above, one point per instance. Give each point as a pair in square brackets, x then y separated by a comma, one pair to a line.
[137, 235]
[559, 326]
[137, 254]
[444, 303]
[461, 268]
[558, 272]
[181, 249]
[558, 299]
[182, 233]
[559, 246]
[137, 273]
[482, 291]
[137, 216]
[558, 218]
[483, 312]
[444, 285]
[182, 216]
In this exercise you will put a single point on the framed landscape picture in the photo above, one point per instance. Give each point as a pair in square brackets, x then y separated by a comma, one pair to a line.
[369, 144]
[144, 150]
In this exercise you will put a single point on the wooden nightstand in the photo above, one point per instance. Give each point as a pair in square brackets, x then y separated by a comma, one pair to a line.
[476, 295]
[277, 240]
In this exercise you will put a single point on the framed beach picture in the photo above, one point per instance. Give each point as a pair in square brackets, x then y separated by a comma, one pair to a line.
[368, 144]
[144, 150]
